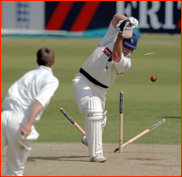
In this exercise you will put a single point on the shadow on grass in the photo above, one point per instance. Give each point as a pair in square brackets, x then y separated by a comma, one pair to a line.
[62, 158]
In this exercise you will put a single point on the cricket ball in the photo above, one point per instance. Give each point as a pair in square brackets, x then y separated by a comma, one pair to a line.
[153, 78]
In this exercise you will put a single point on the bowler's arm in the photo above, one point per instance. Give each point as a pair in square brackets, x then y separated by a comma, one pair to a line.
[36, 109]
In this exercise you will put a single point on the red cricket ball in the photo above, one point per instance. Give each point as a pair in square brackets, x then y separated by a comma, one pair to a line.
[153, 78]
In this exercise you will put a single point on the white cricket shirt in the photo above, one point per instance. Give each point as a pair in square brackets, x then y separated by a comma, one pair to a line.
[39, 84]
[99, 67]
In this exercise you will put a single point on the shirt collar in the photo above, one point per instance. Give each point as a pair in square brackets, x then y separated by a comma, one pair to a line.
[45, 67]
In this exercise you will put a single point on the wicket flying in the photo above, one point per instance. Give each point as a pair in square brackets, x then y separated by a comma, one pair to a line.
[72, 121]
[121, 123]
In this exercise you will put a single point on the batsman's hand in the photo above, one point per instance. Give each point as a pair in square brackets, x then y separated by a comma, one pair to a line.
[121, 24]
[133, 22]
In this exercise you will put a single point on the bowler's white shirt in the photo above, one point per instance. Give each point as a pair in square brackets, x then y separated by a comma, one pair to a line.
[39, 84]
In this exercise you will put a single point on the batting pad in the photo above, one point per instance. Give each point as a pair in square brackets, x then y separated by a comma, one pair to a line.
[94, 109]
[94, 137]
[104, 119]
[93, 128]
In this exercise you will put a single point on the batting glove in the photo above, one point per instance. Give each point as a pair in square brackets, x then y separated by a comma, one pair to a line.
[121, 24]
[133, 22]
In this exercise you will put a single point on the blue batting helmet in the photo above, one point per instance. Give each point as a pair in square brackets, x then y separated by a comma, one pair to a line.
[131, 42]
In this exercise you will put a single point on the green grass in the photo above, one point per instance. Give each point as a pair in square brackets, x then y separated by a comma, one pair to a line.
[145, 102]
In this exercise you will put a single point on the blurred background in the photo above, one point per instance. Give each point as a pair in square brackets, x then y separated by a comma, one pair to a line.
[86, 18]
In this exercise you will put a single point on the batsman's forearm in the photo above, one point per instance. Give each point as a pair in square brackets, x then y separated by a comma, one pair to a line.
[117, 17]
[117, 49]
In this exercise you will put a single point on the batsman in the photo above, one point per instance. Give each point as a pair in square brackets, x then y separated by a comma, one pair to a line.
[111, 58]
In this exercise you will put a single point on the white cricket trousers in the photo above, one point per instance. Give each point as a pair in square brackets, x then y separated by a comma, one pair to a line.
[84, 90]
[18, 147]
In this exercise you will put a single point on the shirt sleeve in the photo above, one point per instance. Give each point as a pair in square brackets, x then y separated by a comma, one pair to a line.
[109, 36]
[123, 65]
[47, 91]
